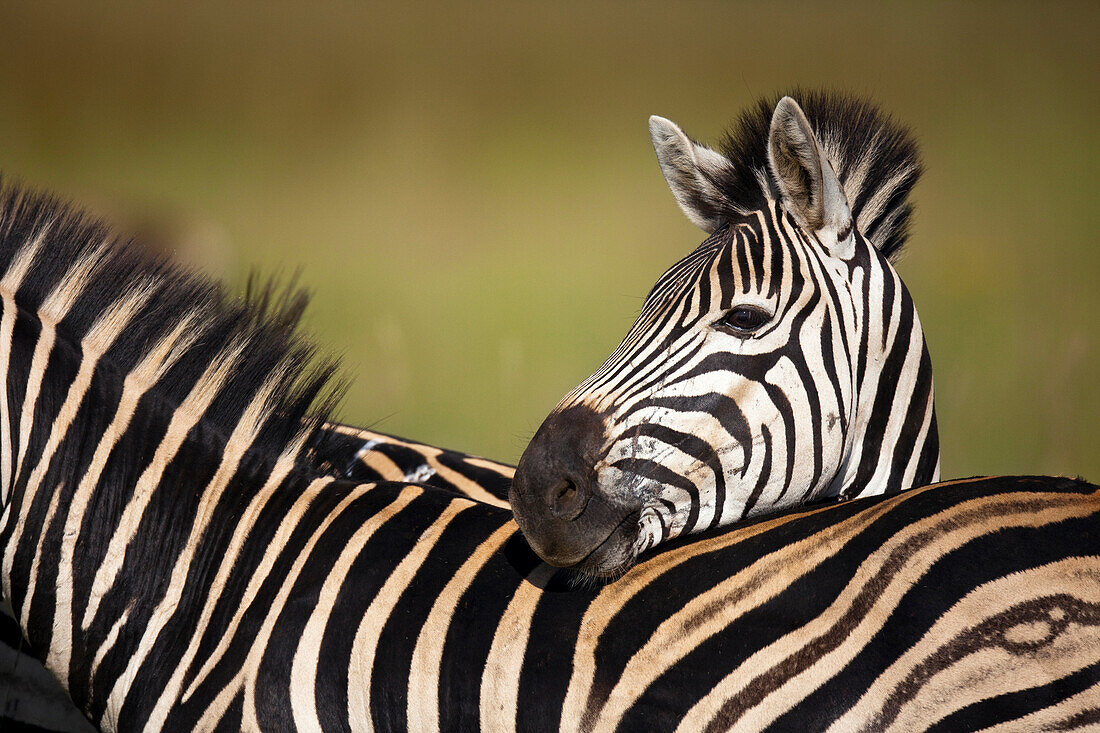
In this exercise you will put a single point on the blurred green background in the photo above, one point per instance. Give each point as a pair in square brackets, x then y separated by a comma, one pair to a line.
[471, 193]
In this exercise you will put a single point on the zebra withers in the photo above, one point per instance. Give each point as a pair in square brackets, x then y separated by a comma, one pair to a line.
[780, 362]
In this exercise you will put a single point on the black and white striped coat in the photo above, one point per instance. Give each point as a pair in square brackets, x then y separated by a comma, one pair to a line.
[209, 574]
[30, 698]
[180, 557]
[781, 361]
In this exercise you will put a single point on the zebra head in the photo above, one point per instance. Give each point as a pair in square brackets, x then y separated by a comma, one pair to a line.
[782, 361]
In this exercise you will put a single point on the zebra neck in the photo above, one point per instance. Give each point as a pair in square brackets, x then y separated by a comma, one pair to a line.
[101, 509]
[893, 444]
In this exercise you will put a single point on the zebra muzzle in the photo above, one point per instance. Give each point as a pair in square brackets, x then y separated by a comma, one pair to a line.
[556, 498]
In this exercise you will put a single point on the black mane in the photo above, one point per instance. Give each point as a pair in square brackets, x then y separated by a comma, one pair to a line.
[874, 156]
[262, 326]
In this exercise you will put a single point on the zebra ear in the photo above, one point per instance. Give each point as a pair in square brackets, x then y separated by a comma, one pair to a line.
[690, 169]
[810, 189]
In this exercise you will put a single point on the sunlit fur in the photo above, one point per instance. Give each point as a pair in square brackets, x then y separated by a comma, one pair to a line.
[177, 557]
[702, 425]
[708, 427]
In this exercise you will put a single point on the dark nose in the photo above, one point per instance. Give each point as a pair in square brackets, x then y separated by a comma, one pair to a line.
[554, 484]
[557, 469]
[568, 497]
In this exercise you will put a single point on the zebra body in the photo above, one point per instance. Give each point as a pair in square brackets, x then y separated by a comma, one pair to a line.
[30, 696]
[180, 558]
[874, 614]
[782, 361]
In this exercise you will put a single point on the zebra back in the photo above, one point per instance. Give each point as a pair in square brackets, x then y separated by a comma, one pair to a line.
[367, 455]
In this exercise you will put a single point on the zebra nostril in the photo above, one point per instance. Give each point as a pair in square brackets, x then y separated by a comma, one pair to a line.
[566, 500]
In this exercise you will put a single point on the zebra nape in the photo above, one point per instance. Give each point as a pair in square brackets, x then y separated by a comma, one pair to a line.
[780, 362]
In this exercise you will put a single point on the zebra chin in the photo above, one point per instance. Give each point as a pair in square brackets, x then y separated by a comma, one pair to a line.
[616, 554]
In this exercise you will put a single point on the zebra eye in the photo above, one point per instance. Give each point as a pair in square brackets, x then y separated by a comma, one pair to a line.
[744, 319]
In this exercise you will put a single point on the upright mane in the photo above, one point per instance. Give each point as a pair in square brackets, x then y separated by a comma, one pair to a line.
[72, 272]
[874, 156]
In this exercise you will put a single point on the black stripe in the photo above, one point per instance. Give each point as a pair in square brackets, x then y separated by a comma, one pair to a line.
[724, 409]
[1011, 706]
[763, 476]
[885, 388]
[919, 405]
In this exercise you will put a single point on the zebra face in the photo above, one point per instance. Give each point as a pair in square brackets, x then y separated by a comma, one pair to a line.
[780, 362]
[714, 407]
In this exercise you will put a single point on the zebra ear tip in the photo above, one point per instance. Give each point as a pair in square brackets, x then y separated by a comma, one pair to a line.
[788, 107]
[664, 131]
[787, 114]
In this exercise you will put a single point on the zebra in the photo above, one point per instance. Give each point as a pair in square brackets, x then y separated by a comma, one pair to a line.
[924, 614]
[29, 695]
[780, 362]
[179, 559]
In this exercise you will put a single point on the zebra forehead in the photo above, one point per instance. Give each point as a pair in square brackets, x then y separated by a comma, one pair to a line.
[747, 249]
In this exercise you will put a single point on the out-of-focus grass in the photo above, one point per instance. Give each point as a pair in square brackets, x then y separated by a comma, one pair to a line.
[471, 194]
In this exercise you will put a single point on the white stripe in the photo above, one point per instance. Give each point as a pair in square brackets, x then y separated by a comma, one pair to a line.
[307, 657]
[365, 644]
